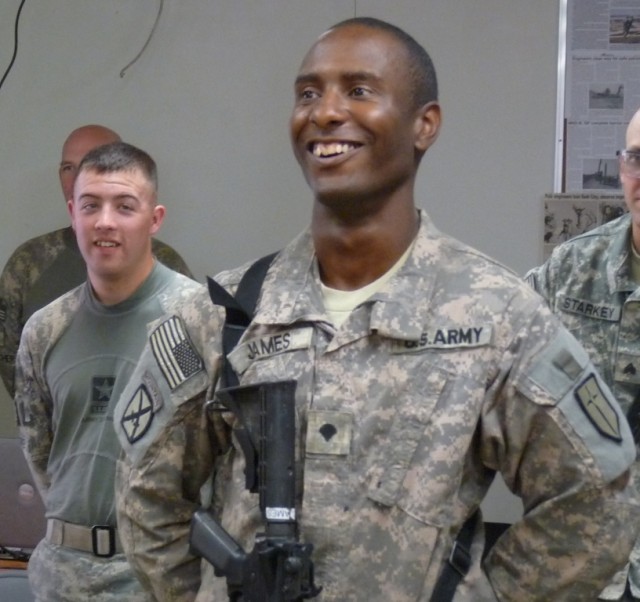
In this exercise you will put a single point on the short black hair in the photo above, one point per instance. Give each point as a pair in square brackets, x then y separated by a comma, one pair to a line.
[424, 82]
[120, 156]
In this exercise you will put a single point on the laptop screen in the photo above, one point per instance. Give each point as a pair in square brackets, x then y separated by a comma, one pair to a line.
[22, 521]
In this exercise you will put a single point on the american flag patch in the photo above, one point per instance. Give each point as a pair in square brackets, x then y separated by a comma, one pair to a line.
[174, 352]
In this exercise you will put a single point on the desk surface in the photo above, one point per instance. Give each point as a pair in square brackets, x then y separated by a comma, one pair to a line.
[12, 564]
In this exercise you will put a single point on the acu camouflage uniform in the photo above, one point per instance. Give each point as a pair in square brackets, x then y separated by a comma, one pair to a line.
[66, 426]
[587, 282]
[39, 271]
[451, 372]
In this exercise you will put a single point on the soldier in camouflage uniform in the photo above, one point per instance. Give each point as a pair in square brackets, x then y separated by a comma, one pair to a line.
[75, 357]
[45, 267]
[593, 283]
[422, 368]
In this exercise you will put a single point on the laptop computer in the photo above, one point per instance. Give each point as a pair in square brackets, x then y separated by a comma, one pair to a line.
[22, 521]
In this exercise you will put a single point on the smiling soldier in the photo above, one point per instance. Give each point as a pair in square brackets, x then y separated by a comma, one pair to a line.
[422, 367]
[75, 356]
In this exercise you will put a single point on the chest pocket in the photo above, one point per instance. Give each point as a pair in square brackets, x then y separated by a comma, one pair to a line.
[415, 409]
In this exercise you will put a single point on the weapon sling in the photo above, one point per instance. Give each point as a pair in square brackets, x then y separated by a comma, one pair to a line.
[458, 563]
[279, 568]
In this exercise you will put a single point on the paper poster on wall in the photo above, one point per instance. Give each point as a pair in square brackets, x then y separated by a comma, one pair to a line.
[602, 91]
[567, 215]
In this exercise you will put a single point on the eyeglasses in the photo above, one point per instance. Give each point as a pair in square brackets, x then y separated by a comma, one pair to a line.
[630, 162]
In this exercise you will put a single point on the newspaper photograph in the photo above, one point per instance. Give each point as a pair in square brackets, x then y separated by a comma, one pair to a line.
[566, 215]
[602, 90]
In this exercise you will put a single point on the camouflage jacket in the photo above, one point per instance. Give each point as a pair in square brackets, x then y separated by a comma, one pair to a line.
[74, 358]
[39, 271]
[587, 283]
[454, 370]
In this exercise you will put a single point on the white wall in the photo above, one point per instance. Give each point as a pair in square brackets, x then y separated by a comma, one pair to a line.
[210, 100]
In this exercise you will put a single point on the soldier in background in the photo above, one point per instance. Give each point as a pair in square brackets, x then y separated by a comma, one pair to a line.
[593, 283]
[45, 267]
[422, 368]
[75, 357]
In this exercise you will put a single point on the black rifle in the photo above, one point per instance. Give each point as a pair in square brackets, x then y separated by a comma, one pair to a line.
[279, 567]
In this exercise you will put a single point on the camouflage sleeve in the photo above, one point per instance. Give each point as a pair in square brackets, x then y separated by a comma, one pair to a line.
[537, 279]
[544, 278]
[34, 407]
[563, 445]
[169, 451]
[170, 257]
[156, 496]
[11, 291]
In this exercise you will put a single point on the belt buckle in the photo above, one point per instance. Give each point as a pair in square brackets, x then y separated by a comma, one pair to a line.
[98, 540]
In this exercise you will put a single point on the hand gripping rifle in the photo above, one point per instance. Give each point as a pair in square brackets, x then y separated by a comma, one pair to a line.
[279, 567]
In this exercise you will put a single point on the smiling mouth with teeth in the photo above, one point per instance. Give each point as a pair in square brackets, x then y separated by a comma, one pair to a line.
[104, 243]
[332, 149]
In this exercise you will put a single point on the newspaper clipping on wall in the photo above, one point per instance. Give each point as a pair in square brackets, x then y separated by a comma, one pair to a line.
[568, 215]
[602, 89]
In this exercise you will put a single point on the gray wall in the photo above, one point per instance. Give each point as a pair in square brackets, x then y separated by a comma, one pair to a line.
[210, 100]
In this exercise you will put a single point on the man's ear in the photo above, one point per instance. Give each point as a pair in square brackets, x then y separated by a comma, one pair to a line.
[428, 120]
[70, 208]
[159, 211]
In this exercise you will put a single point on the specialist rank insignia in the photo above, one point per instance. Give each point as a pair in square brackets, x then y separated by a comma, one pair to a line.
[598, 409]
[138, 415]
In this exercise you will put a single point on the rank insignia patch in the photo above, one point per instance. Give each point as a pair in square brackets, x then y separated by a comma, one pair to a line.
[329, 432]
[138, 415]
[598, 409]
[174, 352]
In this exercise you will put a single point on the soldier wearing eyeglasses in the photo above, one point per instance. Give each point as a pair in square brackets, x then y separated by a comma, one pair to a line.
[593, 282]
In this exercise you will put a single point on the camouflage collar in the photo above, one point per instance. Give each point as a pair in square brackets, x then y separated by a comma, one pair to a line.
[291, 290]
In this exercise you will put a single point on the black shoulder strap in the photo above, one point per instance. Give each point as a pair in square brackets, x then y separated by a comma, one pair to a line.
[633, 416]
[458, 564]
[239, 309]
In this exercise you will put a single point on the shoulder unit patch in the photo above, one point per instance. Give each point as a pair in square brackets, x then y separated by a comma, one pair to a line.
[598, 409]
[138, 415]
